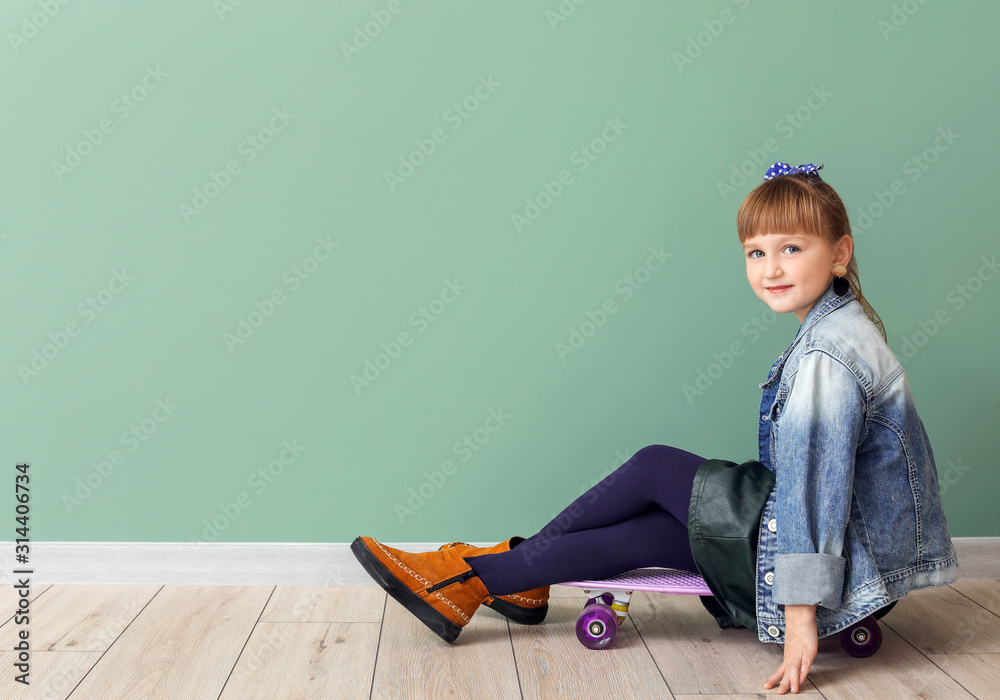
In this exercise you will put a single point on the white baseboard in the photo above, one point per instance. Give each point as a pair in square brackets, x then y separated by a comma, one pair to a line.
[978, 557]
[202, 563]
[276, 563]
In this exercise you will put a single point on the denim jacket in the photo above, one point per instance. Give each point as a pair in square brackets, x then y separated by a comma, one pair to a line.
[855, 519]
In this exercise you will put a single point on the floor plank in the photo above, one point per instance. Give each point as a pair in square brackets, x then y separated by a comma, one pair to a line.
[325, 604]
[896, 670]
[187, 639]
[552, 663]
[413, 662]
[694, 655]
[943, 621]
[977, 673]
[728, 696]
[9, 599]
[566, 592]
[183, 645]
[305, 660]
[52, 674]
[80, 618]
[986, 592]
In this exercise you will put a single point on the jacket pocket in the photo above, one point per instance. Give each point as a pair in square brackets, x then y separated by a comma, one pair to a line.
[774, 411]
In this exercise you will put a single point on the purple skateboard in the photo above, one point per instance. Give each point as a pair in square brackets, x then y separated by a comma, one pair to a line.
[608, 600]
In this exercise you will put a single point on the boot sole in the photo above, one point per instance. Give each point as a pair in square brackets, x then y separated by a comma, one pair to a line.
[518, 613]
[424, 611]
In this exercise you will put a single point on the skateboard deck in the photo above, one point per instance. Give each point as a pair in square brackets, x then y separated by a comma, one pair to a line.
[608, 600]
[655, 580]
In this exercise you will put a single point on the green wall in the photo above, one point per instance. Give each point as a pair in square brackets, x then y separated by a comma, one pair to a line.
[276, 199]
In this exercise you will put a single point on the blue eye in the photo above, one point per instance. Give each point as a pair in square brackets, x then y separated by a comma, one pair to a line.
[752, 252]
[796, 248]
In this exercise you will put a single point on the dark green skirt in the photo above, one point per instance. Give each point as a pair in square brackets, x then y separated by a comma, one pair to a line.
[727, 500]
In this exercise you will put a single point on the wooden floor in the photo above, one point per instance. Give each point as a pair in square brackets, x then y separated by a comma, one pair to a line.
[241, 642]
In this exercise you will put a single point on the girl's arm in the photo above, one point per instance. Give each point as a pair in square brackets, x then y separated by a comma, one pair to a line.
[801, 644]
[817, 438]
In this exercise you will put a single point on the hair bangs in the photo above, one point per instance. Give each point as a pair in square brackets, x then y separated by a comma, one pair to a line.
[781, 205]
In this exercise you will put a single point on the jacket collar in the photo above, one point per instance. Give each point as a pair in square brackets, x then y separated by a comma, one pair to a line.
[826, 304]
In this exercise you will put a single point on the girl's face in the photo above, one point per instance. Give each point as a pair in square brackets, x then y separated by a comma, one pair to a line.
[790, 271]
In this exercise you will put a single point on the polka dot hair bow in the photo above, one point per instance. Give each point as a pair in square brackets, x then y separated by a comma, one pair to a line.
[780, 168]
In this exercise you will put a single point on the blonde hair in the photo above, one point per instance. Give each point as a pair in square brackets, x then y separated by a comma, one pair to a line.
[789, 203]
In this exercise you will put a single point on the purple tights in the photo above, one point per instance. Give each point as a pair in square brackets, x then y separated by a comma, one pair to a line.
[636, 516]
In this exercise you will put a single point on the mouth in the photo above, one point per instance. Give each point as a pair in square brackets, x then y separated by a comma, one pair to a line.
[779, 289]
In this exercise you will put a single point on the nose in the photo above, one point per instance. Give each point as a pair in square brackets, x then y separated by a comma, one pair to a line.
[772, 268]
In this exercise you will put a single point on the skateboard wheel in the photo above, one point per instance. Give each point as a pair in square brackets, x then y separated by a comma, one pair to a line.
[605, 598]
[597, 626]
[862, 639]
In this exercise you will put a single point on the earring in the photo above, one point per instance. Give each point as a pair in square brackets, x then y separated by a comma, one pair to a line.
[840, 285]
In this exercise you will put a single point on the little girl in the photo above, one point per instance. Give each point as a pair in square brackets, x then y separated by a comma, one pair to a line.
[839, 517]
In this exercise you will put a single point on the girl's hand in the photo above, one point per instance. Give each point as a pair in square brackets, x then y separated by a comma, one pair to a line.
[801, 645]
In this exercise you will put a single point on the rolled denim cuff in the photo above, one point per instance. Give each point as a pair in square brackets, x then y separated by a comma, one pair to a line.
[809, 579]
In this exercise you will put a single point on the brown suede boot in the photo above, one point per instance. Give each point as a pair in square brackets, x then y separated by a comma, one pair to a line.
[528, 608]
[438, 587]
